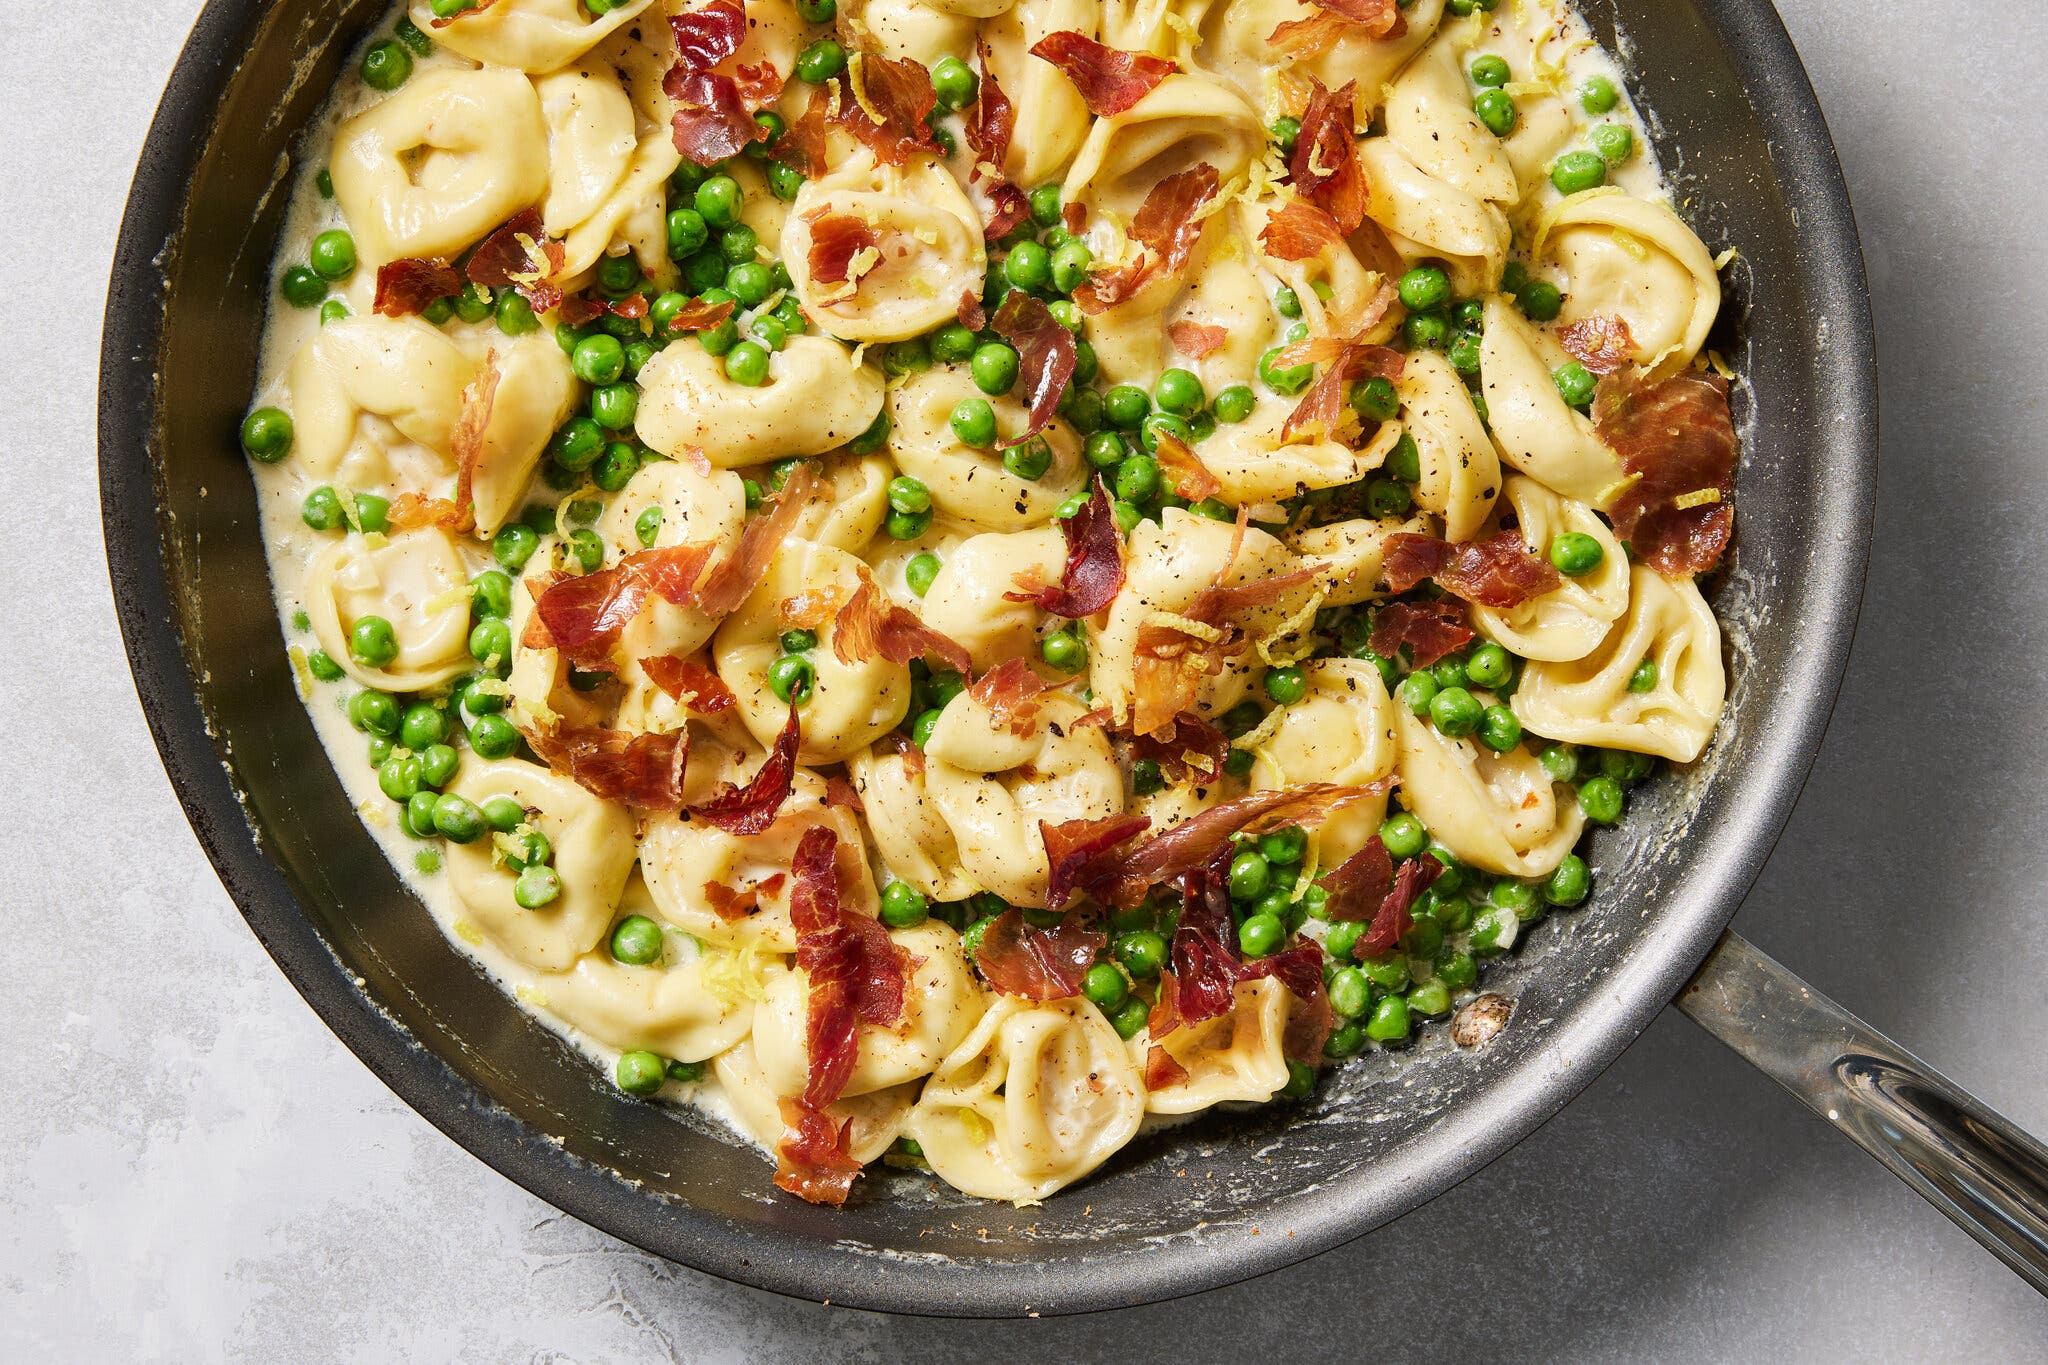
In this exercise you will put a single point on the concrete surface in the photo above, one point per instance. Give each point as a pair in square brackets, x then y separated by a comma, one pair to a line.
[192, 1168]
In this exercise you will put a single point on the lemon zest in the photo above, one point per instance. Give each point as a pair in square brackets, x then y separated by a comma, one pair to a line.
[1699, 497]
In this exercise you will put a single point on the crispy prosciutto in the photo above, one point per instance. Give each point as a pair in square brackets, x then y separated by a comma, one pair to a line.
[1124, 878]
[520, 255]
[699, 316]
[1325, 168]
[1334, 19]
[409, 511]
[732, 578]
[843, 247]
[1323, 406]
[1196, 340]
[408, 285]
[645, 771]
[856, 975]
[1010, 692]
[1393, 917]
[707, 35]
[969, 312]
[1430, 630]
[1299, 231]
[991, 123]
[688, 680]
[1045, 359]
[1037, 964]
[1167, 225]
[1206, 970]
[714, 117]
[1188, 748]
[1110, 80]
[1602, 343]
[729, 904]
[1072, 847]
[1366, 886]
[1191, 478]
[1095, 562]
[892, 98]
[475, 7]
[870, 625]
[466, 441]
[1500, 571]
[752, 808]
[1173, 658]
[1161, 1070]
[583, 615]
[1676, 440]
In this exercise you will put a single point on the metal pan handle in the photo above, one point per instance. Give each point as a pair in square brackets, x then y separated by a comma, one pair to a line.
[1988, 1176]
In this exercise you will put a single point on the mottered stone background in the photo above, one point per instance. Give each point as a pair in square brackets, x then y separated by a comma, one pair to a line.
[192, 1168]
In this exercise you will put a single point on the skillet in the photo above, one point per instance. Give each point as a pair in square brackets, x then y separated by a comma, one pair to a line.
[1735, 123]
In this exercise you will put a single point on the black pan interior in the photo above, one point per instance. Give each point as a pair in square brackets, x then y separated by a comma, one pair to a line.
[1212, 1202]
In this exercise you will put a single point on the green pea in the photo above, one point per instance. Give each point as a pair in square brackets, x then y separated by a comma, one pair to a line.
[799, 641]
[1626, 767]
[636, 941]
[614, 406]
[1106, 986]
[1499, 730]
[907, 525]
[386, 65]
[1489, 666]
[1644, 678]
[1425, 287]
[1137, 478]
[956, 85]
[399, 778]
[372, 642]
[1403, 836]
[438, 763]
[1387, 498]
[1160, 425]
[1085, 363]
[870, 440]
[1431, 998]
[903, 906]
[1249, 875]
[1146, 777]
[1426, 331]
[818, 11]
[1126, 406]
[1416, 692]
[640, 1072]
[1577, 172]
[1575, 554]
[301, 288]
[1389, 1022]
[1286, 302]
[1490, 71]
[417, 819]
[1286, 686]
[1569, 882]
[1600, 798]
[1029, 461]
[1520, 898]
[1457, 970]
[267, 435]
[323, 667]
[1374, 400]
[598, 359]
[1284, 132]
[791, 677]
[747, 363]
[1105, 450]
[1215, 509]
[994, 368]
[1286, 381]
[1598, 96]
[920, 572]
[1127, 516]
[1496, 110]
[1028, 266]
[492, 737]
[1179, 392]
[514, 545]
[423, 725]
[617, 467]
[514, 315]
[921, 728]
[1142, 953]
[482, 703]
[785, 182]
[333, 255]
[438, 312]
[1541, 300]
[718, 200]
[1560, 762]
[1064, 651]
[458, 819]
[1235, 404]
[952, 344]
[824, 59]
[1284, 847]
[1261, 935]
[1347, 1040]
[1350, 992]
[1575, 383]
[1492, 932]
[1130, 1017]
[1613, 141]
[1455, 712]
[1070, 265]
[1464, 353]
[751, 283]
[322, 509]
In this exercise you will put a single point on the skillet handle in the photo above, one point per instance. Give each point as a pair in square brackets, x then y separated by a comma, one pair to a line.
[1988, 1176]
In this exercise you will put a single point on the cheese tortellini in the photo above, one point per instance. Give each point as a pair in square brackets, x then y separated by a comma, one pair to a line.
[816, 399]
[1570, 620]
[398, 369]
[1629, 258]
[1238, 1056]
[1341, 732]
[416, 582]
[1037, 1096]
[968, 484]
[528, 35]
[1460, 468]
[1493, 810]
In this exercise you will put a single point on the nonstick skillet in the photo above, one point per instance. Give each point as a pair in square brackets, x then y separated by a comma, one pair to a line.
[1736, 125]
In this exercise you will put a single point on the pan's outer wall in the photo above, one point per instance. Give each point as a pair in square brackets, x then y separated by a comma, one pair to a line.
[1204, 1205]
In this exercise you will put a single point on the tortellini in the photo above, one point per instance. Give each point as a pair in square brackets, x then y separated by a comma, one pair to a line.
[1053, 120]
[1256, 464]
[993, 786]
[679, 858]
[1347, 555]
[1239, 1056]
[1460, 468]
[591, 140]
[536, 392]
[942, 1002]
[1533, 428]
[1493, 810]
[432, 169]
[529, 35]
[1589, 701]
[1237, 41]
[664, 1008]
[920, 32]
[417, 582]
[873, 1120]
[694, 509]
[973, 599]
[1629, 258]
[1171, 562]
[926, 254]
[1429, 117]
[968, 484]
[850, 508]
[593, 856]
[400, 369]
[850, 704]
[1186, 120]
[1341, 732]
[816, 399]
[907, 826]
[596, 111]
[1036, 1097]
[1431, 219]
[1570, 620]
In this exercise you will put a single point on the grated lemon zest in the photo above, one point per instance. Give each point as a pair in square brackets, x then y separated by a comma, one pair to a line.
[856, 78]
[372, 813]
[1719, 366]
[1725, 259]
[1200, 630]
[441, 601]
[469, 933]
[531, 998]
[302, 674]
[735, 977]
[1525, 89]
[978, 1129]
[1631, 244]
[1607, 495]
[1699, 497]
[536, 256]
[1186, 32]
[859, 354]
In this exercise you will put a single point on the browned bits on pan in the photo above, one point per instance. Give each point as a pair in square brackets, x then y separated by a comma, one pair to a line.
[1477, 1022]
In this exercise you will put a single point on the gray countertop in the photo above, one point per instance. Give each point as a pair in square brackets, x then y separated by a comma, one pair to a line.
[192, 1167]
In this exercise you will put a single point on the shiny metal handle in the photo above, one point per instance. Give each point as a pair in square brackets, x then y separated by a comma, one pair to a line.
[1989, 1177]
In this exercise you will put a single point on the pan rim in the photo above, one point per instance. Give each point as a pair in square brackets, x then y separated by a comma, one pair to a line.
[1579, 1046]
